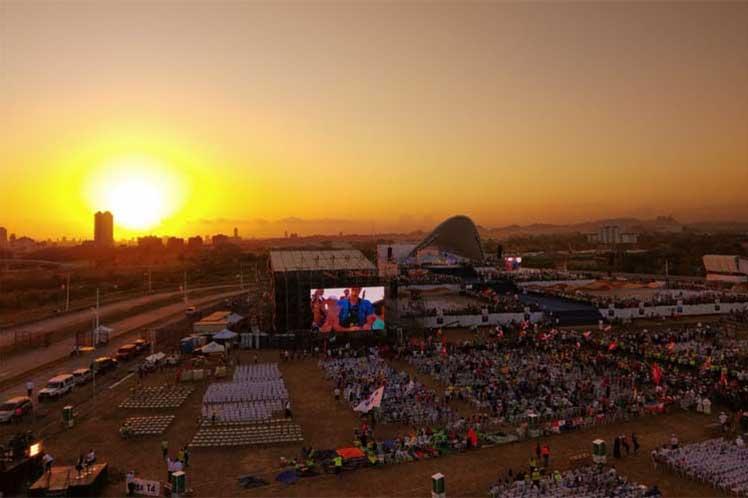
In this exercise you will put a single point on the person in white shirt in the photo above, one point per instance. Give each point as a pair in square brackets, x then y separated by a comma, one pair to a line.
[29, 388]
[723, 421]
[47, 460]
[739, 442]
[90, 457]
[674, 442]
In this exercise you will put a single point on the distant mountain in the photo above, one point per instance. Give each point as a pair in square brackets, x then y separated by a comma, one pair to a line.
[661, 224]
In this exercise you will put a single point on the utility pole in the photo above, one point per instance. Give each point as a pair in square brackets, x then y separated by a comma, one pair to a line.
[184, 287]
[67, 294]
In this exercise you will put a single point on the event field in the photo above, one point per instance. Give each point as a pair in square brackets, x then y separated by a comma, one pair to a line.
[327, 424]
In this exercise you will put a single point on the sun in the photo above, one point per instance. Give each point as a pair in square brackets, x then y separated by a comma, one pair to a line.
[136, 203]
[140, 192]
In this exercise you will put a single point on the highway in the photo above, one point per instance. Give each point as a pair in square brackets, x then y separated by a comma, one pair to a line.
[84, 317]
[59, 352]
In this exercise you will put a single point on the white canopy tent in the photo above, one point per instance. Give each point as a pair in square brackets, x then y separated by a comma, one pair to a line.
[212, 347]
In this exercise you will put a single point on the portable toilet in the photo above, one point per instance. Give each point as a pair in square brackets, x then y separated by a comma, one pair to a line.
[533, 422]
[186, 345]
[68, 417]
[437, 486]
[599, 454]
[178, 483]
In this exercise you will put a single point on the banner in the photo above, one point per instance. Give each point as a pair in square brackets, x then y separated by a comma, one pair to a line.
[373, 401]
[144, 487]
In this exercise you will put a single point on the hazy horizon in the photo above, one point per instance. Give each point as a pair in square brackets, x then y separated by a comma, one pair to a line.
[380, 116]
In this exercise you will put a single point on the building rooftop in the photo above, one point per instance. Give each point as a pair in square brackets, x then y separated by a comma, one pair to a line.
[284, 261]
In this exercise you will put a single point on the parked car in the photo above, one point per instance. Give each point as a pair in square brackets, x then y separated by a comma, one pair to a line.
[142, 345]
[103, 364]
[9, 411]
[82, 375]
[127, 352]
[57, 387]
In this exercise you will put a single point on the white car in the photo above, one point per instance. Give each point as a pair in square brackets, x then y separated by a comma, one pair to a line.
[57, 387]
[82, 375]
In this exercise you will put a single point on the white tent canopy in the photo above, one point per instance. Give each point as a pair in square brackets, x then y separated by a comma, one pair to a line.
[225, 334]
[212, 347]
[234, 318]
[155, 358]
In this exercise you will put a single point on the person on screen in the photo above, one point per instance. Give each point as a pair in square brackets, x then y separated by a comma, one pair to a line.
[318, 308]
[354, 311]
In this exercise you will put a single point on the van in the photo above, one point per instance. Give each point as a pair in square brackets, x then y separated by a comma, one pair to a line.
[57, 387]
[9, 411]
[126, 352]
[82, 375]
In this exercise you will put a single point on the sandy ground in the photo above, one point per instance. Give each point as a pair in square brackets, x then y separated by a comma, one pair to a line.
[326, 424]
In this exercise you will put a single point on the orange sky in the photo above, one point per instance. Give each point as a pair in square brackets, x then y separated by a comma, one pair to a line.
[389, 115]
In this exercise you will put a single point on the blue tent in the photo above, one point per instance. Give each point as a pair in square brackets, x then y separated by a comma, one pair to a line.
[287, 477]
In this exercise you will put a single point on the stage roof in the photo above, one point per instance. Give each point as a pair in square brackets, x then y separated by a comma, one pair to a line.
[284, 261]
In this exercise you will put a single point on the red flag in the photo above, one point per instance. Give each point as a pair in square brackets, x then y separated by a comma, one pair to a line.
[671, 346]
[707, 365]
[723, 377]
[656, 373]
[587, 334]
[578, 345]
[613, 345]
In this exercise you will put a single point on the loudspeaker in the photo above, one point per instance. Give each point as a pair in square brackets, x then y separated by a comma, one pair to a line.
[389, 253]
[499, 252]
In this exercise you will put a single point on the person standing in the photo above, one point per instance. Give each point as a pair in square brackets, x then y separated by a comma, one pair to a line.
[164, 449]
[338, 461]
[635, 442]
[545, 451]
[29, 388]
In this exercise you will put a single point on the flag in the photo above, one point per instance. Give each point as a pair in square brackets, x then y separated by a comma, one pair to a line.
[723, 377]
[578, 345]
[587, 334]
[373, 401]
[608, 328]
[707, 365]
[613, 345]
[656, 373]
[671, 346]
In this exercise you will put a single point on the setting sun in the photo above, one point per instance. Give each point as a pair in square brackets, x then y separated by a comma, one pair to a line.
[139, 191]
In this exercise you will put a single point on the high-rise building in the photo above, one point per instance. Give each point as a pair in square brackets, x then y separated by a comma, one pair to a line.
[3, 237]
[103, 229]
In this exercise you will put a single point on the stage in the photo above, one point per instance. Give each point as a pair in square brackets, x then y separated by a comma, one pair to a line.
[63, 481]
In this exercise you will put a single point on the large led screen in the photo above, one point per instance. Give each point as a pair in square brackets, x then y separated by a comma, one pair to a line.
[347, 309]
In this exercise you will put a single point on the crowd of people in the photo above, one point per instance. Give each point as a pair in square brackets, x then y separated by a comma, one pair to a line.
[357, 375]
[587, 482]
[718, 462]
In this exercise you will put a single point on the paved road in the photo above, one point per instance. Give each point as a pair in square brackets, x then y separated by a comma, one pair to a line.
[23, 362]
[84, 317]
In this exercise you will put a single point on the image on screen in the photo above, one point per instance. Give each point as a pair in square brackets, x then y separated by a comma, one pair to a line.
[347, 309]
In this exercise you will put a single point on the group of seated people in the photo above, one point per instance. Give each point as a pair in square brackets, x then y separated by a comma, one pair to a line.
[550, 381]
[587, 482]
[357, 376]
[718, 462]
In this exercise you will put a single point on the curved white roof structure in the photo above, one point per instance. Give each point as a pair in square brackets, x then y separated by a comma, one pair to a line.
[457, 235]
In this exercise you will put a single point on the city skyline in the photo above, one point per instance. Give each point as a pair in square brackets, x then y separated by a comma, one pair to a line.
[368, 118]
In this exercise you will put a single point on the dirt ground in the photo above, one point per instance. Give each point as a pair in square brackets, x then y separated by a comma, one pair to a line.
[326, 424]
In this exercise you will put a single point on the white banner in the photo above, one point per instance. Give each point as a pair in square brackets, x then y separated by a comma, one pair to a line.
[144, 487]
[373, 401]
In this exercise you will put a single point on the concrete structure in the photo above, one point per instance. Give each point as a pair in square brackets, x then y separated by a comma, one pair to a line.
[3, 237]
[103, 229]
